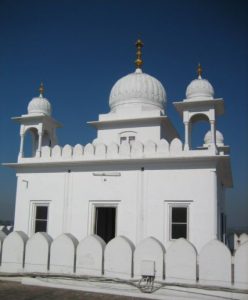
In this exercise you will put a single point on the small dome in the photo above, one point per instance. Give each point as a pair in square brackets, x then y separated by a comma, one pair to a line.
[219, 138]
[137, 89]
[39, 105]
[199, 89]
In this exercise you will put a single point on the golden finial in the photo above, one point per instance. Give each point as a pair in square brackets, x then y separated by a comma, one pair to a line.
[199, 71]
[41, 89]
[139, 61]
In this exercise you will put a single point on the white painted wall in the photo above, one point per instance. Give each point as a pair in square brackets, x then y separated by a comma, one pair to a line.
[142, 133]
[142, 198]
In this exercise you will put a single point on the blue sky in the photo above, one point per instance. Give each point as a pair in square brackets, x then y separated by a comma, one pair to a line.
[80, 48]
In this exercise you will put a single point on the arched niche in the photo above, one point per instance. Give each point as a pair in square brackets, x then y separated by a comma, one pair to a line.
[46, 139]
[31, 141]
[31, 138]
[199, 124]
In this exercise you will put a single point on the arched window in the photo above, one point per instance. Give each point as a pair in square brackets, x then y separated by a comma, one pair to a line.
[30, 142]
[46, 140]
[199, 125]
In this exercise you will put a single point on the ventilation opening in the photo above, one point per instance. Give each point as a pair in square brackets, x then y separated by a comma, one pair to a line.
[105, 222]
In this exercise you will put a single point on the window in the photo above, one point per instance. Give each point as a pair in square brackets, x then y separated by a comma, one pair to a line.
[123, 139]
[131, 139]
[127, 136]
[41, 217]
[179, 222]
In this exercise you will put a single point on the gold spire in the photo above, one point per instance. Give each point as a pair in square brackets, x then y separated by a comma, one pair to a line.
[199, 71]
[41, 89]
[139, 61]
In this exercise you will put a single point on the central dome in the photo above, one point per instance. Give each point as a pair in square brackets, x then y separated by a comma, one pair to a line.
[137, 90]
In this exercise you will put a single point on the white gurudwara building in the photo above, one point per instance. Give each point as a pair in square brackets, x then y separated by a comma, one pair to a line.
[137, 178]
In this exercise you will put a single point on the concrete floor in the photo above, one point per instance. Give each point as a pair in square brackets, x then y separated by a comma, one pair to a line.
[39, 288]
[10, 290]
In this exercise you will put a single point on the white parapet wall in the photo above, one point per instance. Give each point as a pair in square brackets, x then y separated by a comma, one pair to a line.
[13, 252]
[179, 263]
[215, 264]
[150, 249]
[100, 151]
[2, 237]
[62, 254]
[241, 266]
[118, 258]
[38, 253]
[90, 253]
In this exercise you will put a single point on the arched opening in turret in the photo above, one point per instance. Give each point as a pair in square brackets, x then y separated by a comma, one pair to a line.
[30, 142]
[199, 125]
[46, 139]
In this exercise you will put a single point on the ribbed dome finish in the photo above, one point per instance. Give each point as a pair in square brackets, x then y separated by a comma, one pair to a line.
[219, 138]
[39, 105]
[200, 89]
[138, 88]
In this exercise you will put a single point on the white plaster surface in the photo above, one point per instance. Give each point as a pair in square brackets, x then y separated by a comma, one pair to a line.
[176, 146]
[2, 237]
[215, 264]
[90, 256]
[124, 149]
[13, 250]
[149, 249]
[56, 151]
[63, 254]
[118, 258]
[37, 253]
[78, 150]
[241, 267]
[163, 147]
[100, 150]
[46, 152]
[150, 148]
[243, 238]
[89, 150]
[67, 151]
[180, 262]
[113, 150]
[162, 185]
[137, 149]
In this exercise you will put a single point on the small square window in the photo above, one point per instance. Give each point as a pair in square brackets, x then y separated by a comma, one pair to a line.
[179, 222]
[131, 139]
[123, 139]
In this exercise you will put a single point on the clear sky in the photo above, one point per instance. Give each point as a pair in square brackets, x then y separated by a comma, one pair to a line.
[80, 48]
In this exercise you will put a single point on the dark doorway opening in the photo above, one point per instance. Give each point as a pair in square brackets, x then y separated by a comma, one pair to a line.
[105, 220]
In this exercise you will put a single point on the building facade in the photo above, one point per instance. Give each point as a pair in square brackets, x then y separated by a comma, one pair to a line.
[137, 178]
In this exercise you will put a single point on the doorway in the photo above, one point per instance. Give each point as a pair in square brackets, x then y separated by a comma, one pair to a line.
[105, 223]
